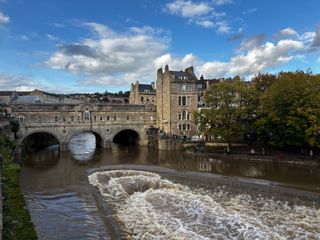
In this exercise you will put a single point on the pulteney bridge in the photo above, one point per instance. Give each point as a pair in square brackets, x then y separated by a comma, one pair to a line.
[107, 122]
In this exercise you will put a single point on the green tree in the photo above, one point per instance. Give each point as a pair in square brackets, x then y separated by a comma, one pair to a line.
[227, 102]
[290, 110]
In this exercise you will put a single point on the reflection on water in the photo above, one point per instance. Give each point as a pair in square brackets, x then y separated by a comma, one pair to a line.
[64, 206]
[82, 146]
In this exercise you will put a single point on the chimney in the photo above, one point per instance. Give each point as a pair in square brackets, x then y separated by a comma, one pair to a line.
[153, 85]
[166, 68]
[189, 70]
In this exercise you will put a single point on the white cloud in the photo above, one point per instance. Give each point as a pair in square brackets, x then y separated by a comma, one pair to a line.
[222, 2]
[110, 57]
[13, 82]
[223, 27]
[4, 19]
[51, 37]
[285, 33]
[17, 82]
[252, 42]
[316, 39]
[288, 32]
[176, 62]
[255, 60]
[24, 37]
[113, 58]
[202, 13]
[188, 8]
[205, 23]
[58, 25]
[250, 11]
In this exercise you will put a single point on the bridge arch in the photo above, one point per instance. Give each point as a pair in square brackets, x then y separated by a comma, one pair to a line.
[99, 137]
[126, 136]
[29, 134]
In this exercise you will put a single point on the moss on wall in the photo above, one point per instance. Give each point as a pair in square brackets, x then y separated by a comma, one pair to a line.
[17, 222]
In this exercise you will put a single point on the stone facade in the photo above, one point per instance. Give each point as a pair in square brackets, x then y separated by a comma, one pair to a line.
[65, 120]
[142, 93]
[177, 99]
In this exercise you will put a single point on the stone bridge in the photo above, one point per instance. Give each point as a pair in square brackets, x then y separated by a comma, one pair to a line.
[105, 121]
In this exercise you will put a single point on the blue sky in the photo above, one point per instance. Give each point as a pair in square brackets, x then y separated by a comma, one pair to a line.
[97, 45]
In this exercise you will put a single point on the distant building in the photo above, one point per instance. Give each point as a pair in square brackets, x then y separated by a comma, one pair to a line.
[142, 93]
[177, 99]
[117, 99]
[6, 97]
[26, 100]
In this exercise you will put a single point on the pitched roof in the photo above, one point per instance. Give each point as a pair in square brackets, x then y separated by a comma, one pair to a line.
[27, 99]
[6, 93]
[146, 88]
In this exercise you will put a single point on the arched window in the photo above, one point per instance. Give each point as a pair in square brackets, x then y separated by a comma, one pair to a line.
[86, 115]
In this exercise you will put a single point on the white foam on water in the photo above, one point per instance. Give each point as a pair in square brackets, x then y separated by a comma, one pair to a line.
[154, 208]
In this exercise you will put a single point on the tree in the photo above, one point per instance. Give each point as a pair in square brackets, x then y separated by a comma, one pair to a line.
[227, 102]
[291, 110]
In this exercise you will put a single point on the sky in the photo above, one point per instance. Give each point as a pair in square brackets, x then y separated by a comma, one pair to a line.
[97, 45]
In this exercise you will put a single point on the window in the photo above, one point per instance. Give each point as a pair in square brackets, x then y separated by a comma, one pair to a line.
[101, 118]
[115, 118]
[21, 119]
[186, 88]
[141, 99]
[56, 118]
[72, 118]
[78, 118]
[95, 118]
[182, 101]
[86, 115]
[184, 115]
[108, 118]
[184, 127]
[128, 117]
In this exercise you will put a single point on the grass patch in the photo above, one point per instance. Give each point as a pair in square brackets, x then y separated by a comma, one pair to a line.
[17, 224]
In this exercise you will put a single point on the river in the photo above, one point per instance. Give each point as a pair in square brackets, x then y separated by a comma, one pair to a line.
[166, 200]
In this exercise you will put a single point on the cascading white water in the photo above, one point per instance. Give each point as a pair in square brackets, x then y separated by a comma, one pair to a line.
[154, 208]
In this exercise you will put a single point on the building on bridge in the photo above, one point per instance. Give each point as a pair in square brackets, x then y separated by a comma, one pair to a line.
[168, 107]
[106, 121]
[142, 93]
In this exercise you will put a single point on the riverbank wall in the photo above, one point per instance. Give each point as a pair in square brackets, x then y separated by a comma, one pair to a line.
[15, 220]
[5, 131]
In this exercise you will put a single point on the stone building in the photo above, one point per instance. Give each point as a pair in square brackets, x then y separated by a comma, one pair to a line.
[202, 86]
[177, 99]
[142, 93]
[6, 97]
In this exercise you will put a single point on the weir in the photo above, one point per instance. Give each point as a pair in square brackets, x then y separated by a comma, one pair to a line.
[175, 200]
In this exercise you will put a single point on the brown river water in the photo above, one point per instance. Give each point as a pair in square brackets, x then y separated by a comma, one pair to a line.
[176, 196]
